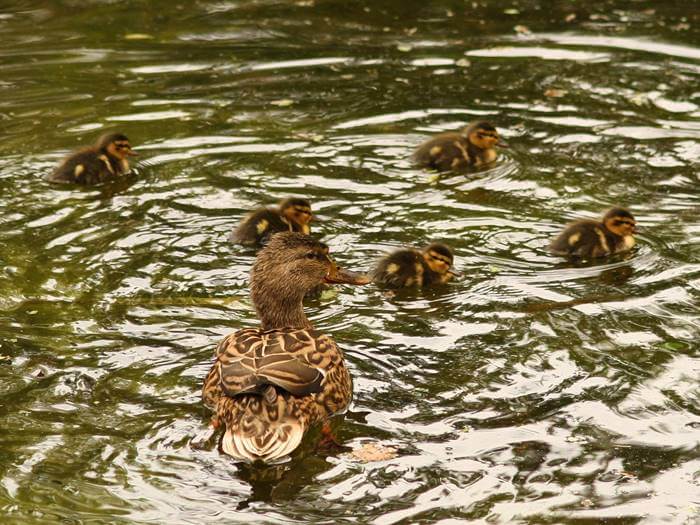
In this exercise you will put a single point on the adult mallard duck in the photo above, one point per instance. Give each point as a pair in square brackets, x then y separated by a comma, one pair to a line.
[408, 267]
[473, 146]
[269, 385]
[292, 214]
[105, 160]
[589, 239]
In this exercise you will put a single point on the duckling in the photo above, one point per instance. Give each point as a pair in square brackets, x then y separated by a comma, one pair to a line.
[408, 267]
[293, 214]
[269, 385]
[588, 239]
[473, 146]
[106, 160]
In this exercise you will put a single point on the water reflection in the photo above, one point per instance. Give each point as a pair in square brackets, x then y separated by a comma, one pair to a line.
[529, 391]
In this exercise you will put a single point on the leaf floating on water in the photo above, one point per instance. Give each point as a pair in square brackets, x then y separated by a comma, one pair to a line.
[522, 30]
[511, 11]
[570, 17]
[434, 178]
[370, 452]
[138, 36]
[405, 48]
[282, 103]
[463, 62]
[555, 93]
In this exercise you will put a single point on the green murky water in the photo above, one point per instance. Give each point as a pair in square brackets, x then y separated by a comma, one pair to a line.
[530, 392]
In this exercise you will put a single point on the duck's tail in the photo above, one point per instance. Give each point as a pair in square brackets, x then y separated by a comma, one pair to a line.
[270, 445]
[261, 428]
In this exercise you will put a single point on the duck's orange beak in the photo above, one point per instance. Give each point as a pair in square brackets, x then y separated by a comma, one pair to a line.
[339, 276]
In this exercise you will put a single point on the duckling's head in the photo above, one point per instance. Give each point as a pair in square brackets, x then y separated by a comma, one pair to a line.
[297, 211]
[620, 222]
[116, 145]
[439, 258]
[482, 135]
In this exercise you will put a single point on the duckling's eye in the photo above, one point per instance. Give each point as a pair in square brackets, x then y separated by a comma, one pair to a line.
[312, 255]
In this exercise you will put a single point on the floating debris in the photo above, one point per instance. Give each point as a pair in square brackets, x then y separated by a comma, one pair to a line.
[555, 93]
[138, 36]
[283, 103]
[371, 452]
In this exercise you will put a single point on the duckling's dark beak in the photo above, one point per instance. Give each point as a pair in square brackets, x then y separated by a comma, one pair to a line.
[339, 276]
[132, 153]
[502, 144]
[635, 229]
[454, 272]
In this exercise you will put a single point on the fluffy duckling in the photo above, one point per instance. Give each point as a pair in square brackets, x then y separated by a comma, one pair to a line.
[408, 267]
[292, 214]
[269, 385]
[473, 146]
[104, 161]
[588, 239]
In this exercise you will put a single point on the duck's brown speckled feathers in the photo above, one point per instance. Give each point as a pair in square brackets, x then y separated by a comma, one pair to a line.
[473, 146]
[590, 239]
[269, 385]
[293, 214]
[104, 161]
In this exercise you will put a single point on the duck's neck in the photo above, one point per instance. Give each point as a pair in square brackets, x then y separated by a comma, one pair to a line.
[279, 307]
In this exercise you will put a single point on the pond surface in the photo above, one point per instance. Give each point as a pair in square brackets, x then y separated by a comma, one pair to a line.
[529, 392]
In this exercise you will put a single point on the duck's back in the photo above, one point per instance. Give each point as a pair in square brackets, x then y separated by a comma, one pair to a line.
[270, 387]
[400, 269]
[87, 167]
[444, 152]
[583, 239]
[258, 226]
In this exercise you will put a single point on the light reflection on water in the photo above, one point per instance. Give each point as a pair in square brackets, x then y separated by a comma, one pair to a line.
[531, 391]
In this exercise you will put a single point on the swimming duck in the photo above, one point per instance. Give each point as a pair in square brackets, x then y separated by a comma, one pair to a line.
[473, 146]
[270, 384]
[293, 214]
[408, 267]
[588, 239]
[106, 160]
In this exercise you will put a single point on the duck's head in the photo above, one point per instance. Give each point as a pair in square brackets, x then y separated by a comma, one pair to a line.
[288, 267]
[483, 135]
[620, 222]
[439, 258]
[116, 145]
[297, 211]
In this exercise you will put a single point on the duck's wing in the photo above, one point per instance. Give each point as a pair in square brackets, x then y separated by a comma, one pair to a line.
[399, 269]
[443, 152]
[250, 360]
[258, 226]
[581, 239]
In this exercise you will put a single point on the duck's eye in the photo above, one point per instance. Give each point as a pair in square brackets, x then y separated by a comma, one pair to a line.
[312, 255]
